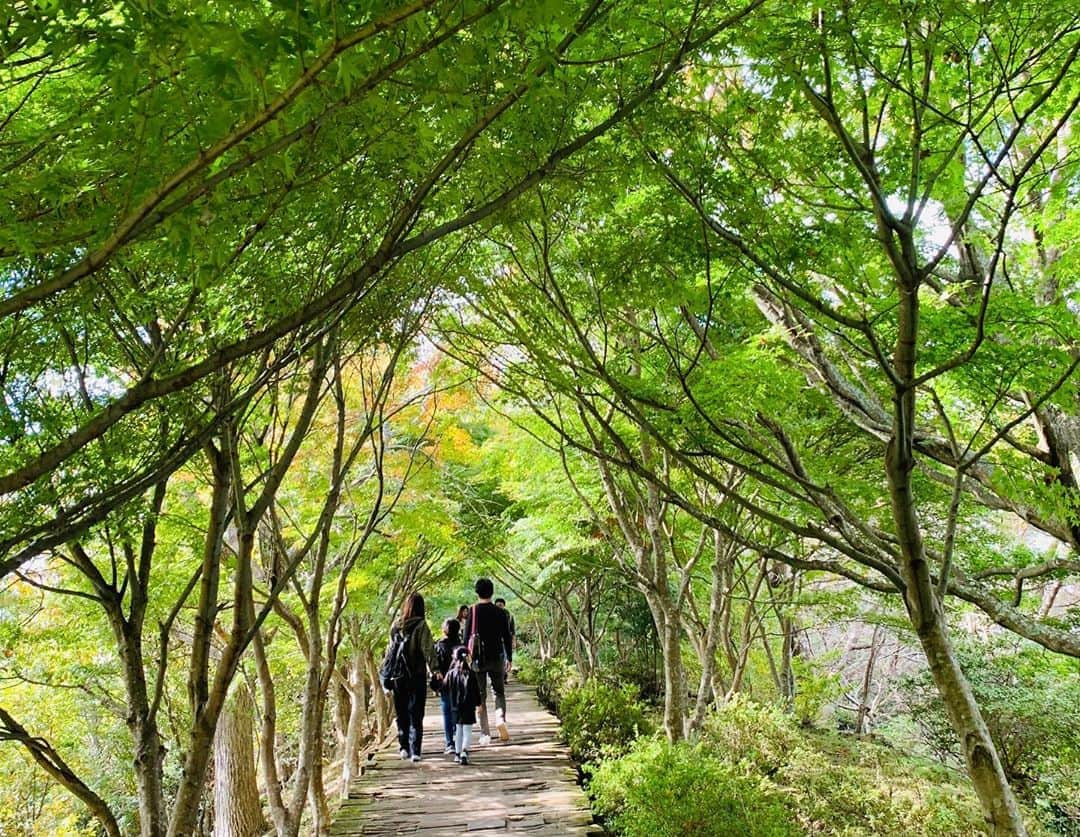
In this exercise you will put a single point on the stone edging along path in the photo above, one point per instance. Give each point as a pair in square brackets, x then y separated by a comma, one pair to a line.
[525, 786]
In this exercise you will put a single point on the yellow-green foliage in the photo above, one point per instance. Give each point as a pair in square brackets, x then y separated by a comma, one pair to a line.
[756, 771]
[659, 789]
[842, 786]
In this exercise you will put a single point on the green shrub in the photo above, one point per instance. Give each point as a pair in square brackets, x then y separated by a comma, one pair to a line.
[660, 789]
[818, 687]
[598, 718]
[553, 678]
[858, 789]
[1031, 707]
[1030, 701]
[759, 736]
[838, 785]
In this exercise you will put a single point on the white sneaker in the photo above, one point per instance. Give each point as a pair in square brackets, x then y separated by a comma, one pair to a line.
[449, 749]
[484, 740]
[415, 759]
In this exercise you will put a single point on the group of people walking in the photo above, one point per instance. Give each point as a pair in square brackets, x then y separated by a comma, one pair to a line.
[476, 647]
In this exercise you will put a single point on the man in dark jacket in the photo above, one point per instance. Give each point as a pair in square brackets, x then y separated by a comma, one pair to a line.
[487, 635]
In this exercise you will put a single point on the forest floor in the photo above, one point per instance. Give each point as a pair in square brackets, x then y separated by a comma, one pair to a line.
[525, 786]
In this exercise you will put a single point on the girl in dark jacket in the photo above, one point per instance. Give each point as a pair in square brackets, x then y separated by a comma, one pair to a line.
[464, 692]
[444, 656]
[410, 692]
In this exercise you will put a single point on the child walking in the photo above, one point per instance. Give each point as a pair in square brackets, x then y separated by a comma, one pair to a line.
[444, 656]
[464, 691]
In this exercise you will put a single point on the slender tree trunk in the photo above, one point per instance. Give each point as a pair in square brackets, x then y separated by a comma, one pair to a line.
[320, 806]
[237, 808]
[787, 656]
[674, 682]
[712, 634]
[863, 713]
[1049, 596]
[146, 739]
[984, 766]
[279, 814]
[309, 733]
[350, 767]
[592, 641]
[149, 763]
[341, 705]
[382, 704]
[725, 641]
[920, 597]
[747, 633]
[670, 635]
[193, 779]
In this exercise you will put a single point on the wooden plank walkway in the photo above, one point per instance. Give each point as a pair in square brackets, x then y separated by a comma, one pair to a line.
[525, 786]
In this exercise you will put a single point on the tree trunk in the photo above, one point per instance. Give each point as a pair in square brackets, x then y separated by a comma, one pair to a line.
[983, 764]
[145, 736]
[310, 729]
[149, 762]
[920, 596]
[863, 714]
[237, 809]
[383, 707]
[193, 779]
[787, 656]
[341, 706]
[267, 739]
[712, 634]
[674, 682]
[669, 631]
[350, 768]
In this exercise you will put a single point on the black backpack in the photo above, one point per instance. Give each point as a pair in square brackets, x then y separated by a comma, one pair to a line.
[395, 665]
[444, 654]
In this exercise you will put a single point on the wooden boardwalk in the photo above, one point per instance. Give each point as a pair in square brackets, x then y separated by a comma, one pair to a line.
[526, 786]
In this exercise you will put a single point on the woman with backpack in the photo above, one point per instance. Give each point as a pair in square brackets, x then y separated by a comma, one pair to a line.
[444, 655]
[410, 655]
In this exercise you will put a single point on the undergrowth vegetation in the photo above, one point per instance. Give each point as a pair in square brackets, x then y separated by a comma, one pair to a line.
[755, 769]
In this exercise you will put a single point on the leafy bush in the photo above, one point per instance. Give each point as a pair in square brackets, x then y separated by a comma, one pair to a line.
[553, 678]
[660, 789]
[838, 785]
[1030, 700]
[599, 718]
[845, 787]
[818, 687]
[759, 736]
[1032, 714]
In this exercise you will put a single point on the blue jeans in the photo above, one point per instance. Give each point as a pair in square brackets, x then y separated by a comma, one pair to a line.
[447, 718]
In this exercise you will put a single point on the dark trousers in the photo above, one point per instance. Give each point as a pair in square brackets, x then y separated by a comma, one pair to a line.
[497, 672]
[409, 697]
